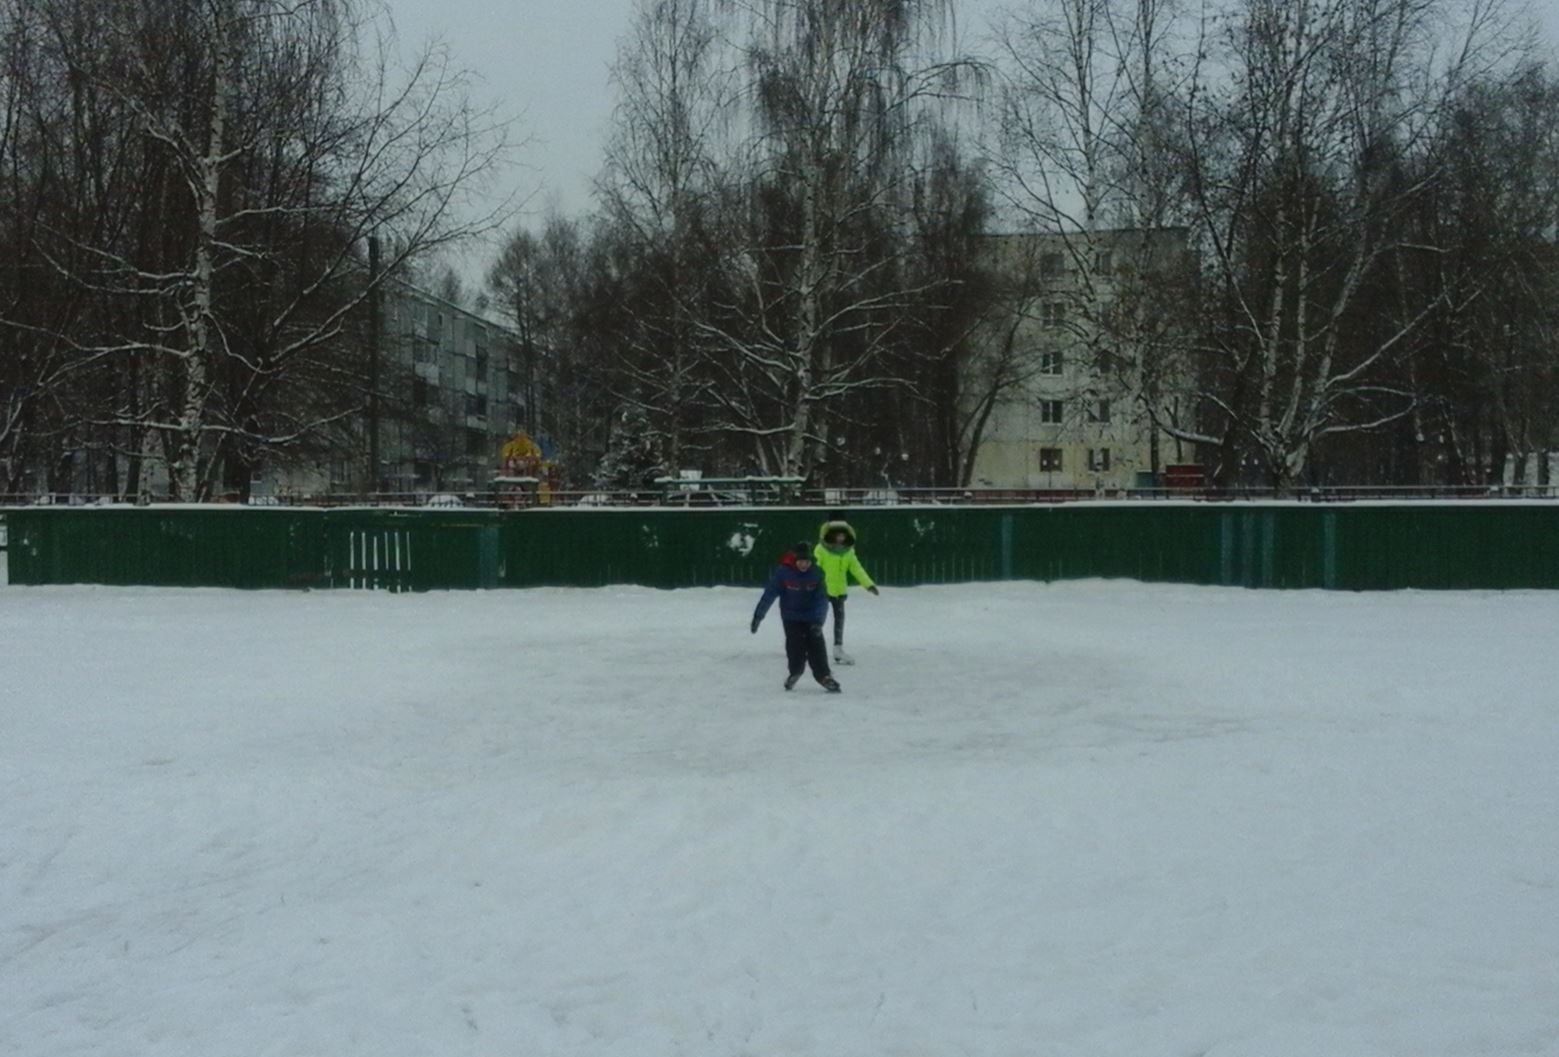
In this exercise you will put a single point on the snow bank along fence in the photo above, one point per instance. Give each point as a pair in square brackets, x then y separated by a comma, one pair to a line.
[1346, 546]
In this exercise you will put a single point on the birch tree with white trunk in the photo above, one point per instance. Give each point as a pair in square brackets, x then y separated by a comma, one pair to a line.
[838, 90]
[287, 134]
[671, 132]
[1082, 152]
[1301, 152]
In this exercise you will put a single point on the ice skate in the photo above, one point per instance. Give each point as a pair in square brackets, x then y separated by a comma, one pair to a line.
[829, 683]
[791, 680]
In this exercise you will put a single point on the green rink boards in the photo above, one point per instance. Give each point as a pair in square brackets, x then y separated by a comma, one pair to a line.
[1344, 546]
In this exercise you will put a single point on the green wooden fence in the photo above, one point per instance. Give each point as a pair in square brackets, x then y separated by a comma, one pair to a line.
[1344, 546]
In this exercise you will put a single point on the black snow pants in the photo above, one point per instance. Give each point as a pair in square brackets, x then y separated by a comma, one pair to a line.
[803, 644]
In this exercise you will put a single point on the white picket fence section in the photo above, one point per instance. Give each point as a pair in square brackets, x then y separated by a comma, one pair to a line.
[378, 560]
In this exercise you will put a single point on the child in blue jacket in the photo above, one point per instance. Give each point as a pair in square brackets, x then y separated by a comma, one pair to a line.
[798, 584]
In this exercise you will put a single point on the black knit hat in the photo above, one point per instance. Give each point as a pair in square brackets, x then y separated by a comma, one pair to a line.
[802, 550]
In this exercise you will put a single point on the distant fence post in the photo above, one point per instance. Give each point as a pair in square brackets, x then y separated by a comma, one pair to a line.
[1329, 549]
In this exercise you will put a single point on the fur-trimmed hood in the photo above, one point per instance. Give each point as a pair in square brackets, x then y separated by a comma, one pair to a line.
[837, 525]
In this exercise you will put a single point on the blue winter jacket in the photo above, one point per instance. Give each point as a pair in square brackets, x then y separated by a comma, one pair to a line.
[801, 595]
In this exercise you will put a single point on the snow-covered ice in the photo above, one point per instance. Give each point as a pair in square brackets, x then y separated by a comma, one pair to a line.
[1083, 820]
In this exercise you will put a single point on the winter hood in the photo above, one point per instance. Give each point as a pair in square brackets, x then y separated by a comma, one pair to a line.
[840, 525]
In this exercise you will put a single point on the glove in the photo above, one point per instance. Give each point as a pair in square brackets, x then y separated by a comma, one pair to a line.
[755, 625]
[873, 590]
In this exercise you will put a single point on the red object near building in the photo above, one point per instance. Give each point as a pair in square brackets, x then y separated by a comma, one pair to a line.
[1187, 476]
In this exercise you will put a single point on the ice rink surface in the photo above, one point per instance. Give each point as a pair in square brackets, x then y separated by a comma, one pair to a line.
[1093, 819]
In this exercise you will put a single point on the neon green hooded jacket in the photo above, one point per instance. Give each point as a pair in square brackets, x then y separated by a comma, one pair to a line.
[839, 564]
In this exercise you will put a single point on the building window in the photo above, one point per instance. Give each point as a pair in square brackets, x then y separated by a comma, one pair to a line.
[419, 393]
[1050, 412]
[481, 365]
[476, 442]
[476, 405]
[1050, 460]
[423, 350]
[1051, 362]
[1099, 411]
[1104, 263]
[1051, 265]
[1053, 314]
[1099, 460]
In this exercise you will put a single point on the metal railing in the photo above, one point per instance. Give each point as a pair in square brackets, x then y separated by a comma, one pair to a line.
[810, 497]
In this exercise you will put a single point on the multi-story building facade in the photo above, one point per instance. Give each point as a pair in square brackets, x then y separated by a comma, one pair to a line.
[1075, 388]
[466, 392]
[454, 387]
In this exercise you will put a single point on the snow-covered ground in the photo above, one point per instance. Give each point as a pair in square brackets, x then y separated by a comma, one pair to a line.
[1080, 820]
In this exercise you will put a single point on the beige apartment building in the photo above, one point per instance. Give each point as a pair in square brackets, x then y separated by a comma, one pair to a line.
[1079, 375]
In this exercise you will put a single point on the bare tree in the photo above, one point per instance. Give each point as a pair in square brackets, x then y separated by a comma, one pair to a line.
[272, 141]
[963, 350]
[55, 191]
[659, 191]
[1302, 181]
[1083, 149]
[1061, 113]
[1001, 358]
[1487, 374]
[838, 90]
[551, 288]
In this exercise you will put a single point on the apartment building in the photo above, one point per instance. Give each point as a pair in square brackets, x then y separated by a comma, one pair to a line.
[1076, 375]
[465, 390]
[455, 387]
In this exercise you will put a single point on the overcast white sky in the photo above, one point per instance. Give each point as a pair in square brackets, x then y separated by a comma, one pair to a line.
[548, 60]
[545, 60]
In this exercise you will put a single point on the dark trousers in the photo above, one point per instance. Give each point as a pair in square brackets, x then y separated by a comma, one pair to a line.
[837, 602]
[804, 644]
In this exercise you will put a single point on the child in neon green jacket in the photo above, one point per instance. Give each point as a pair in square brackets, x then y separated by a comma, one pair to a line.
[835, 555]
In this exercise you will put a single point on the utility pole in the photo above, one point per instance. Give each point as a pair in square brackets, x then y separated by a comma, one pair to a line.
[374, 482]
